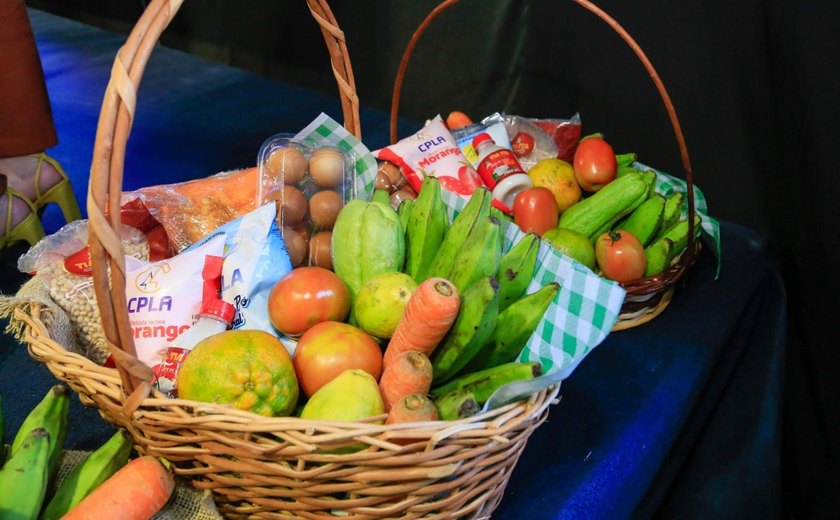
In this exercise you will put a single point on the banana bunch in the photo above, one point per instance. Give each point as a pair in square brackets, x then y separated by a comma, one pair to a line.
[467, 394]
[33, 461]
[496, 318]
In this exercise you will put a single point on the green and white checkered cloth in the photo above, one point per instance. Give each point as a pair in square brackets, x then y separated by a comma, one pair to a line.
[586, 307]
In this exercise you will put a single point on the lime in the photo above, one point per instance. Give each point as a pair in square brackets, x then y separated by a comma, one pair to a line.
[572, 244]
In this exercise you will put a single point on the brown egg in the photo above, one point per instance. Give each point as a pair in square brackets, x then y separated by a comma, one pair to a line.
[383, 182]
[319, 249]
[296, 246]
[288, 164]
[399, 196]
[408, 189]
[324, 207]
[393, 174]
[291, 205]
[327, 167]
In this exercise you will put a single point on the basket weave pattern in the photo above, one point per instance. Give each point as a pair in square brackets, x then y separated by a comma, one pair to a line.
[259, 467]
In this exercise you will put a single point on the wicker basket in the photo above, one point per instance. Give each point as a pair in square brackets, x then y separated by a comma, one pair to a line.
[647, 297]
[260, 467]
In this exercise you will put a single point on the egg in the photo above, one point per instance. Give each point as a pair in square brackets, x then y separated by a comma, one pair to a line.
[399, 196]
[288, 164]
[326, 166]
[390, 175]
[319, 250]
[296, 246]
[324, 207]
[291, 205]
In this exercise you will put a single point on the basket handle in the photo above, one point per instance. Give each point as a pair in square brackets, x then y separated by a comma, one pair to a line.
[615, 26]
[106, 175]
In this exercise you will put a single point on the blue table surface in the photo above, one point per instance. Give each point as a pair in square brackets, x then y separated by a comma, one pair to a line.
[678, 417]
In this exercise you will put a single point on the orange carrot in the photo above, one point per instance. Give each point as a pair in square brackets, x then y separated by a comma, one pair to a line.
[412, 408]
[457, 119]
[136, 492]
[429, 314]
[410, 373]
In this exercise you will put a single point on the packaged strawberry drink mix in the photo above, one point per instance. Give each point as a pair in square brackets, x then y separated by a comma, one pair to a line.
[433, 151]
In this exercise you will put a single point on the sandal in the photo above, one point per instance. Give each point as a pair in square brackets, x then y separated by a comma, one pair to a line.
[60, 193]
[28, 228]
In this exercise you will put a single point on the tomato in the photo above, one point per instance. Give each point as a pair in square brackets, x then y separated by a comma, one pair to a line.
[620, 256]
[306, 296]
[328, 349]
[535, 210]
[594, 163]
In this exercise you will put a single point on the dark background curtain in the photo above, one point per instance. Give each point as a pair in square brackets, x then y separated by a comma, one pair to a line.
[755, 84]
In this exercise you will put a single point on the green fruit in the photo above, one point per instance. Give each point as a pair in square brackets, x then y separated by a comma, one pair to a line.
[367, 240]
[597, 213]
[381, 302]
[25, 476]
[572, 244]
[352, 396]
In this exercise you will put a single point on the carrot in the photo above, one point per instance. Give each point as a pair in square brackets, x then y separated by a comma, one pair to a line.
[410, 373]
[412, 408]
[457, 119]
[429, 314]
[136, 492]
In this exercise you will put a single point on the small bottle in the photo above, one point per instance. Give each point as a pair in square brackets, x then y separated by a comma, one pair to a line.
[500, 170]
[216, 316]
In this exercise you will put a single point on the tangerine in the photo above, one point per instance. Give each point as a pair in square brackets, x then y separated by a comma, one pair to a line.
[248, 369]
[559, 177]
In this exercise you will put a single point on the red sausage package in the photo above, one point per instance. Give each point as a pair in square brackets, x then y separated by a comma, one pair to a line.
[433, 151]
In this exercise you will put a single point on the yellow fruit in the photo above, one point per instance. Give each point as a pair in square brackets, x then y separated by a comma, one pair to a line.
[559, 177]
[248, 369]
[572, 244]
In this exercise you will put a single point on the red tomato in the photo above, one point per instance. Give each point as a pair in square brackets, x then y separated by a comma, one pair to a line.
[620, 256]
[328, 349]
[535, 210]
[594, 164]
[306, 296]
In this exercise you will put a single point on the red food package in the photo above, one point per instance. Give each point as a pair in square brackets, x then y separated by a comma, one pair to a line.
[565, 132]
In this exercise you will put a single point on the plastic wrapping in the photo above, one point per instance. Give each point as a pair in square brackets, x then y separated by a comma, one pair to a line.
[432, 150]
[529, 142]
[191, 210]
[62, 262]
[310, 181]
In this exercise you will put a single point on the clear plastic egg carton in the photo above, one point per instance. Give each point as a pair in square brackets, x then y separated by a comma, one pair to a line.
[310, 183]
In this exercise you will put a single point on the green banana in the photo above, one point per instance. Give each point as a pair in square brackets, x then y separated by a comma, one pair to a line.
[476, 209]
[649, 176]
[24, 478]
[51, 414]
[645, 221]
[427, 225]
[472, 328]
[456, 405]
[607, 206]
[515, 325]
[625, 159]
[381, 196]
[671, 212]
[95, 469]
[516, 268]
[404, 211]
[480, 255]
[482, 384]
[678, 234]
[658, 255]
[367, 240]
